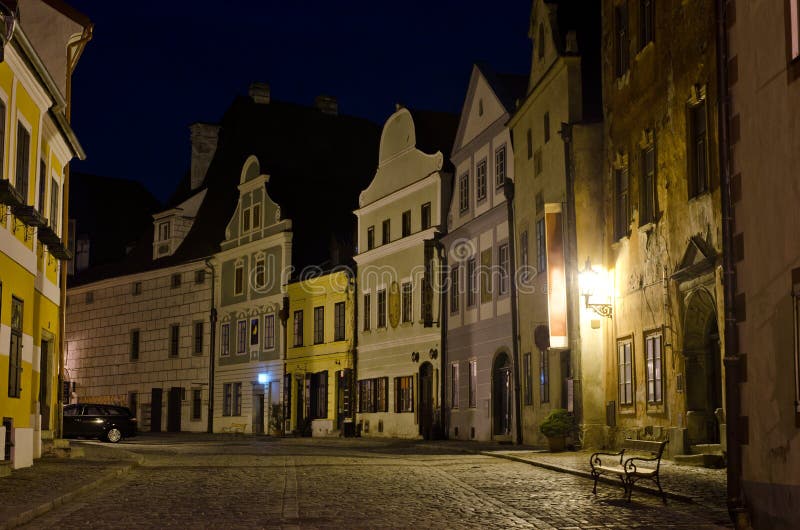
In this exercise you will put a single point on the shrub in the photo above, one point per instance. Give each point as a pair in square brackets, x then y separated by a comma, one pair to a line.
[558, 423]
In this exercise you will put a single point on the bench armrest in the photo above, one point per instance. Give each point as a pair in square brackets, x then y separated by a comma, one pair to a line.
[630, 463]
[596, 461]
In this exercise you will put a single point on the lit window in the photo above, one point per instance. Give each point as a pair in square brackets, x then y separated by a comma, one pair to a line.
[404, 394]
[653, 367]
[254, 341]
[625, 365]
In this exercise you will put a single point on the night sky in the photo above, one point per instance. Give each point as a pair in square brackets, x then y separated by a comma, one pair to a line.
[154, 67]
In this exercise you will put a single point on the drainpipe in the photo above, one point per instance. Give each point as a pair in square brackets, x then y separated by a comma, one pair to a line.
[732, 360]
[508, 191]
[212, 348]
[443, 312]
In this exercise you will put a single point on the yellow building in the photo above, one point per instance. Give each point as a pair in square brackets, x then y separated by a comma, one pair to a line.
[36, 144]
[318, 380]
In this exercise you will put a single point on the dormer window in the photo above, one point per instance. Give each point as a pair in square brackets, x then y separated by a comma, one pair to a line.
[245, 220]
[163, 231]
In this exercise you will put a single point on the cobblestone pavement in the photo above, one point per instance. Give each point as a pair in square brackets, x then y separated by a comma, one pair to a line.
[192, 482]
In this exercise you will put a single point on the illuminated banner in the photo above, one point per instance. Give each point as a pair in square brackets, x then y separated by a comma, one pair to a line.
[556, 276]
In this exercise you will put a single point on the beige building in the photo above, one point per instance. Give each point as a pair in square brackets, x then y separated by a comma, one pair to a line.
[400, 353]
[558, 221]
[763, 72]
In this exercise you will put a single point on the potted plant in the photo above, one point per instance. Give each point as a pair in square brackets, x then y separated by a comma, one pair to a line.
[556, 427]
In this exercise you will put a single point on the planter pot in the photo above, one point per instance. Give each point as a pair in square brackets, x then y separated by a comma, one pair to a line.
[556, 443]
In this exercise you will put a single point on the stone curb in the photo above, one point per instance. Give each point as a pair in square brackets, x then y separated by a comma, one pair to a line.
[29, 515]
[586, 474]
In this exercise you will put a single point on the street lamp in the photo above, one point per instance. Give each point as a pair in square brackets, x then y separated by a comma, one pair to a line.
[590, 283]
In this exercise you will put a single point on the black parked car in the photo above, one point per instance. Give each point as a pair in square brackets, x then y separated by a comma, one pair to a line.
[90, 420]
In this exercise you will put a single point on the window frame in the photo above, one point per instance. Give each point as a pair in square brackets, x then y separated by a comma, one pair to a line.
[407, 302]
[241, 337]
[15, 357]
[174, 340]
[698, 183]
[622, 202]
[404, 394]
[528, 373]
[544, 376]
[238, 279]
[453, 377]
[647, 23]
[269, 332]
[55, 203]
[226, 398]
[22, 171]
[197, 340]
[504, 263]
[164, 230]
[463, 193]
[529, 142]
[381, 308]
[654, 368]
[405, 224]
[366, 311]
[319, 324]
[386, 231]
[261, 272]
[481, 175]
[339, 321]
[197, 404]
[225, 339]
[473, 383]
[648, 185]
[541, 246]
[625, 370]
[297, 328]
[425, 216]
[500, 162]
[135, 336]
[370, 237]
[622, 38]
[454, 294]
[472, 282]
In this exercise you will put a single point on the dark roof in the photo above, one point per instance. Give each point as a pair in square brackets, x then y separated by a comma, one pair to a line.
[318, 164]
[507, 87]
[111, 212]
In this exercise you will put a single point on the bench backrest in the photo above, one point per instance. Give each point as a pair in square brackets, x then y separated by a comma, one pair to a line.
[644, 446]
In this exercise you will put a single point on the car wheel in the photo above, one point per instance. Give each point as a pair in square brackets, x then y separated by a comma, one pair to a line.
[114, 435]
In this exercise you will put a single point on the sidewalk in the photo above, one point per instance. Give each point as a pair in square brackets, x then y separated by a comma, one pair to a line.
[51, 481]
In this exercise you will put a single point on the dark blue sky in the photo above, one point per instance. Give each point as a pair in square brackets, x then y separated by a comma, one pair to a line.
[154, 67]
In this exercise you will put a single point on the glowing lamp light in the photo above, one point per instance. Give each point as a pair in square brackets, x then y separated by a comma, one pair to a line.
[263, 379]
[592, 286]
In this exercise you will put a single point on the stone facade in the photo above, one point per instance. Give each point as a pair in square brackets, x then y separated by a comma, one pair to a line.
[481, 358]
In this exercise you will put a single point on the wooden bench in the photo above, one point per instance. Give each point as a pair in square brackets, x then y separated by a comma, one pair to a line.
[235, 428]
[630, 469]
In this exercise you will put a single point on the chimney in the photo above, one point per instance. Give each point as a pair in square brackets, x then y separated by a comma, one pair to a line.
[204, 144]
[259, 93]
[327, 105]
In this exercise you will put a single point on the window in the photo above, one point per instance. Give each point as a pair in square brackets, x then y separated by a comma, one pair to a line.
[254, 340]
[473, 384]
[367, 309]
[404, 394]
[540, 41]
[15, 350]
[625, 363]
[197, 404]
[174, 339]
[504, 259]
[23, 160]
[698, 172]
[176, 281]
[425, 214]
[319, 325]
[649, 199]
[136, 288]
[261, 273]
[370, 238]
[529, 138]
[528, 379]
[2, 132]
[237, 399]
[90, 297]
[241, 336]
[382, 308]
[480, 107]
[373, 395]
[238, 280]
[407, 297]
[386, 230]
[42, 186]
[199, 276]
[796, 304]
[537, 163]
[523, 244]
[647, 22]
[480, 179]
[226, 399]
[794, 29]
[454, 398]
[472, 280]
[544, 377]
[621, 39]
[500, 166]
[652, 347]
[486, 276]
[256, 216]
[298, 328]
[454, 289]
[135, 345]
[338, 321]
[463, 193]
[406, 223]
[269, 332]
[546, 120]
[55, 194]
[245, 220]
[622, 219]
[163, 231]
[541, 246]
[225, 340]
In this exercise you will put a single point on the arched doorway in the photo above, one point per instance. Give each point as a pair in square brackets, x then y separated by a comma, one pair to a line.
[426, 400]
[703, 371]
[501, 395]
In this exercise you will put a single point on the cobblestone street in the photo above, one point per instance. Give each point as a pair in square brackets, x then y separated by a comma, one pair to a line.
[254, 483]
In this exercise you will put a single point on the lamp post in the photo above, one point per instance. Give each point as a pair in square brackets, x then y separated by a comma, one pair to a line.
[590, 285]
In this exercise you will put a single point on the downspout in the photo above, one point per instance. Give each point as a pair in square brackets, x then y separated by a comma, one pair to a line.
[443, 312]
[571, 265]
[732, 360]
[212, 347]
[508, 191]
[62, 313]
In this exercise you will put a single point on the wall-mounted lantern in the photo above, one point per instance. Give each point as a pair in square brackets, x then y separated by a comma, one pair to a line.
[591, 287]
[415, 356]
[434, 353]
